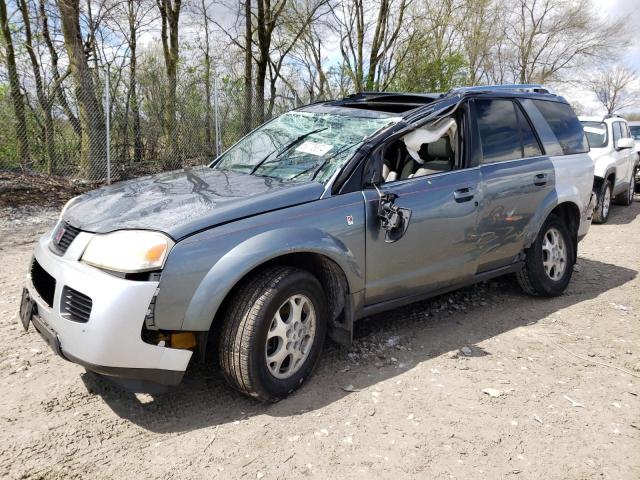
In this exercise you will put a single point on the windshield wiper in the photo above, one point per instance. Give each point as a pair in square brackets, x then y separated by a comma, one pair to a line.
[287, 147]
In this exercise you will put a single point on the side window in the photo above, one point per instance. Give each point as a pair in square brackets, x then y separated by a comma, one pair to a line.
[617, 132]
[498, 128]
[427, 150]
[530, 145]
[565, 126]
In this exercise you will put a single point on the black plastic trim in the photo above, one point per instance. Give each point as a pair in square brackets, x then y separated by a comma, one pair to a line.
[368, 310]
[153, 375]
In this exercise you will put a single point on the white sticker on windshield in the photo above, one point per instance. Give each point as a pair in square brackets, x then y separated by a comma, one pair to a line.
[313, 148]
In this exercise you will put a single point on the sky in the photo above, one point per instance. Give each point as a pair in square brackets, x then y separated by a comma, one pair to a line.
[630, 56]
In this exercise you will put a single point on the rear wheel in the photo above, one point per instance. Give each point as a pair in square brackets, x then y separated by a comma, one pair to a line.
[549, 262]
[626, 198]
[603, 194]
[273, 334]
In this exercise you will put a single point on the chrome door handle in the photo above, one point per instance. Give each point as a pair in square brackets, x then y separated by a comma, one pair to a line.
[463, 194]
[540, 179]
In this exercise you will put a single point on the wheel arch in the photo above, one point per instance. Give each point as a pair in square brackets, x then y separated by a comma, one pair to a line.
[563, 205]
[322, 255]
[330, 275]
[570, 214]
[609, 174]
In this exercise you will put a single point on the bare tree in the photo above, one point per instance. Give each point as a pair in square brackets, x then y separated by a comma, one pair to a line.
[382, 35]
[170, 16]
[614, 88]
[55, 70]
[93, 140]
[14, 84]
[550, 36]
[132, 18]
[480, 34]
[308, 52]
[44, 99]
[295, 21]
[247, 116]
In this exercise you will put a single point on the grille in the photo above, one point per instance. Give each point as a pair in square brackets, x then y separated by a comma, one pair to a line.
[44, 283]
[64, 235]
[75, 306]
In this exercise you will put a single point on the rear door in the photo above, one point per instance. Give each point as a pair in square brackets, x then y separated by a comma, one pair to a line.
[516, 177]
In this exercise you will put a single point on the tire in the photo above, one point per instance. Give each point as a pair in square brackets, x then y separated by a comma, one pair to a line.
[626, 198]
[251, 330]
[603, 208]
[534, 278]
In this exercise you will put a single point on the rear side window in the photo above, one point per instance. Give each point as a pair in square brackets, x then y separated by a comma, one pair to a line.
[635, 132]
[565, 125]
[530, 145]
[505, 133]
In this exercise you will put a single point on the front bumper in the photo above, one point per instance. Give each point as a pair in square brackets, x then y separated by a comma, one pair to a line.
[110, 342]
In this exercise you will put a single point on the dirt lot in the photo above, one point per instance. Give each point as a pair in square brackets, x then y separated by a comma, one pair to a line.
[406, 400]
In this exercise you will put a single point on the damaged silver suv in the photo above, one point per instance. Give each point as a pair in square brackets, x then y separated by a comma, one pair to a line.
[318, 218]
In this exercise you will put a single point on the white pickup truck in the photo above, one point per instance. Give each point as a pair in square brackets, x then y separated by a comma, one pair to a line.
[616, 160]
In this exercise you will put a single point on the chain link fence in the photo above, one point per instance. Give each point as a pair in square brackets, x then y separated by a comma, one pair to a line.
[112, 129]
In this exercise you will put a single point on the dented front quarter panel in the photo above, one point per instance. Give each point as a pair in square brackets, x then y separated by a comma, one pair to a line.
[202, 269]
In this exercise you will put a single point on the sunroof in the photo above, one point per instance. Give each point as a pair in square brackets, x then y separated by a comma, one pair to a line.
[387, 102]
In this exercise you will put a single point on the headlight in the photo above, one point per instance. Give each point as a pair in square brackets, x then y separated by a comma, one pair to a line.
[128, 251]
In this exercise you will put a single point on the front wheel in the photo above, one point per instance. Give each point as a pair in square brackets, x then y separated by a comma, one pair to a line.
[603, 194]
[549, 263]
[273, 334]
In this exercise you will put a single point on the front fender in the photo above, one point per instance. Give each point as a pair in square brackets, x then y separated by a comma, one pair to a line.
[255, 251]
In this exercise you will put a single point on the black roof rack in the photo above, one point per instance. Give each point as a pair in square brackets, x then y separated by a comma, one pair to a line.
[508, 87]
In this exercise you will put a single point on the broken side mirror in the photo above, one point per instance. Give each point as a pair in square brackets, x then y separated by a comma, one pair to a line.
[393, 219]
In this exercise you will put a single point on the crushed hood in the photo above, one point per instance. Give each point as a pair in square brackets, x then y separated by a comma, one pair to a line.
[182, 202]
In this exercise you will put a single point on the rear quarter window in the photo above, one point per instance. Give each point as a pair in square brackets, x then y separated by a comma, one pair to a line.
[565, 126]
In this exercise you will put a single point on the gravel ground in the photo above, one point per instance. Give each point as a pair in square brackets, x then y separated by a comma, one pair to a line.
[482, 383]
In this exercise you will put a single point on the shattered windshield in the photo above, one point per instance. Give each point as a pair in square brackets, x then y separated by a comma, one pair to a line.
[303, 144]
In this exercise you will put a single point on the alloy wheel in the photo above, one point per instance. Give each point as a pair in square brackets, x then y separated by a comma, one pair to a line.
[290, 337]
[554, 254]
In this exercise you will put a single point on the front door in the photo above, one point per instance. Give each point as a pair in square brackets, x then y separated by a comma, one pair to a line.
[436, 249]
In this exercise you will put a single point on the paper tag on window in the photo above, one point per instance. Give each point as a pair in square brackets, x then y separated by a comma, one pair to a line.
[313, 148]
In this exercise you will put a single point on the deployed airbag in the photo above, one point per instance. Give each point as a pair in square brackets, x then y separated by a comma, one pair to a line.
[427, 134]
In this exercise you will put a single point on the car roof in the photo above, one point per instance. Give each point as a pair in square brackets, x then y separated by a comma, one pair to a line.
[634, 123]
[406, 104]
[604, 118]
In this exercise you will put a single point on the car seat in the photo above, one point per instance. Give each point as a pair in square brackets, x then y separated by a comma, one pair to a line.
[438, 157]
